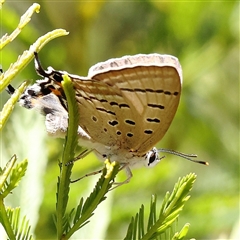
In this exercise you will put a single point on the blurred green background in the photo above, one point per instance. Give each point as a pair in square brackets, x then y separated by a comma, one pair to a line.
[205, 38]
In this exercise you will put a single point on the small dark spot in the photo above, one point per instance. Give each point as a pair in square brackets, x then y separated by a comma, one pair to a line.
[94, 98]
[129, 134]
[149, 90]
[159, 91]
[47, 110]
[45, 91]
[127, 89]
[103, 100]
[113, 64]
[130, 122]
[94, 118]
[58, 76]
[113, 104]
[155, 106]
[10, 89]
[31, 92]
[155, 120]
[139, 90]
[175, 93]
[105, 130]
[113, 123]
[118, 132]
[148, 131]
[105, 110]
[122, 105]
[167, 93]
[126, 61]
[104, 155]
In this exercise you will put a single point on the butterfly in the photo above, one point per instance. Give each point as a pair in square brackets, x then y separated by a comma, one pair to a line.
[126, 106]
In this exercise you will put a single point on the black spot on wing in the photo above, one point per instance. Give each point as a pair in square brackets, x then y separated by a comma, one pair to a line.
[94, 119]
[106, 111]
[139, 90]
[153, 120]
[153, 105]
[113, 123]
[113, 103]
[150, 90]
[123, 105]
[130, 122]
[148, 131]
[129, 134]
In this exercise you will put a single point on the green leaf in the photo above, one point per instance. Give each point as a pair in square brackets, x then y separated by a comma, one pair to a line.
[16, 175]
[23, 22]
[21, 228]
[15, 227]
[171, 207]
[6, 172]
[9, 105]
[182, 234]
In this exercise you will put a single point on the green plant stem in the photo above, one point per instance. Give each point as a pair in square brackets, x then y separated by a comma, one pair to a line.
[154, 229]
[61, 205]
[68, 155]
[5, 220]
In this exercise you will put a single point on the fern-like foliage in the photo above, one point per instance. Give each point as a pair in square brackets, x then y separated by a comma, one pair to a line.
[158, 223]
[21, 228]
[85, 209]
[10, 177]
[15, 173]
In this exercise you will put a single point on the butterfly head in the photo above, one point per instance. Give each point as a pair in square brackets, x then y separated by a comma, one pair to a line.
[46, 95]
[30, 96]
[152, 158]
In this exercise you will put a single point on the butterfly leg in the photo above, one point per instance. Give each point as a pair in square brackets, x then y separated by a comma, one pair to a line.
[87, 175]
[129, 176]
[80, 156]
[128, 173]
[117, 184]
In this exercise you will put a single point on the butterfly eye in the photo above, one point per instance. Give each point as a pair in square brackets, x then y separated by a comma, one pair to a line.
[152, 158]
[31, 92]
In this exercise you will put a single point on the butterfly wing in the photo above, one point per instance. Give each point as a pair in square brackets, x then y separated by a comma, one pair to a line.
[130, 101]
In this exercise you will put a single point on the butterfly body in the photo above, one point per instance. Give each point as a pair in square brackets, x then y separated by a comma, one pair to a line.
[125, 105]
